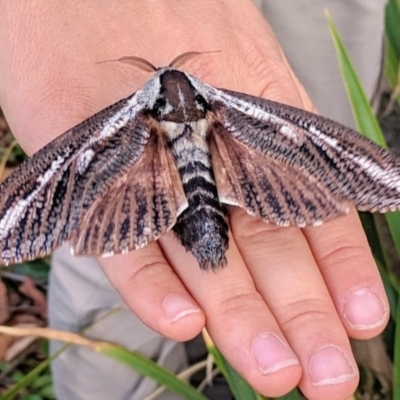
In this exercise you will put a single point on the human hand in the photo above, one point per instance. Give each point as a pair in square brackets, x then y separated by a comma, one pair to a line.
[281, 285]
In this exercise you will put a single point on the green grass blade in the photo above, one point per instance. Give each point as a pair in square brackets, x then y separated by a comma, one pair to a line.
[240, 389]
[293, 395]
[364, 117]
[370, 128]
[392, 22]
[30, 377]
[363, 114]
[391, 69]
[149, 368]
[131, 359]
[393, 220]
[392, 45]
[391, 63]
[396, 356]
[392, 73]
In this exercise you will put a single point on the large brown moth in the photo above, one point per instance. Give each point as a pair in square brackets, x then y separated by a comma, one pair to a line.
[172, 156]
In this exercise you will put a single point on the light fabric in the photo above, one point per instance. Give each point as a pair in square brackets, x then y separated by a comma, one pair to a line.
[80, 295]
[302, 31]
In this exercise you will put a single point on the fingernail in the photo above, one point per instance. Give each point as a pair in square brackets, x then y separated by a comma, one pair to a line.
[363, 309]
[329, 366]
[177, 306]
[272, 354]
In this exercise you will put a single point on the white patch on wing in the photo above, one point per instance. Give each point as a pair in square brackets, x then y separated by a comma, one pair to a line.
[84, 160]
[376, 172]
[13, 214]
[118, 121]
[292, 133]
[54, 167]
[108, 253]
[209, 92]
[329, 140]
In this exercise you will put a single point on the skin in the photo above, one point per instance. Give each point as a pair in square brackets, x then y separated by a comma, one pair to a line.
[289, 283]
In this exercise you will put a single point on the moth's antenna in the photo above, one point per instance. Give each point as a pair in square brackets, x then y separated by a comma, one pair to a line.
[189, 55]
[149, 67]
[140, 62]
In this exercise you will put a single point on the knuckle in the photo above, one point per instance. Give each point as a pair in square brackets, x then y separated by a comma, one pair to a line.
[239, 303]
[252, 229]
[148, 270]
[345, 254]
[305, 314]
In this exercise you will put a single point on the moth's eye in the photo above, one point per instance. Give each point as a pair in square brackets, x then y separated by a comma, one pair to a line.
[159, 107]
[160, 102]
[201, 101]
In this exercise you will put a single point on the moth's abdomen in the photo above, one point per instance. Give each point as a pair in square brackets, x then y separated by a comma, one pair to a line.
[203, 226]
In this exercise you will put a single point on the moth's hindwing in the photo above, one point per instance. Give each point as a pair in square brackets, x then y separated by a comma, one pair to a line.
[265, 188]
[138, 208]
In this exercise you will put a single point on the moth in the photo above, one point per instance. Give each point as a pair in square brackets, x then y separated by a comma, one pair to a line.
[172, 156]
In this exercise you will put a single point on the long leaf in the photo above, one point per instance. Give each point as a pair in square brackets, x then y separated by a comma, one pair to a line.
[396, 357]
[369, 127]
[392, 22]
[364, 117]
[240, 389]
[149, 368]
[131, 359]
[30, 377]
[363, 114]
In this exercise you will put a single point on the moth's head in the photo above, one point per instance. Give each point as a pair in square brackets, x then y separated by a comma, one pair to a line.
[170, 95]
[177, 99]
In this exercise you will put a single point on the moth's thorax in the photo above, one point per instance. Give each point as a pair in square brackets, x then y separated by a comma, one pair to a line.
[178, 101]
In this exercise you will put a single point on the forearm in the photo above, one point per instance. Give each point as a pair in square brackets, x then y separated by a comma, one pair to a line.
[50, 79]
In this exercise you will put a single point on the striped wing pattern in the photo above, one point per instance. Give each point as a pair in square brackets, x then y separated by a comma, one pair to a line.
[76, 180]
[169, 156]
[291, 167]
[139, 207]
[265, 188]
